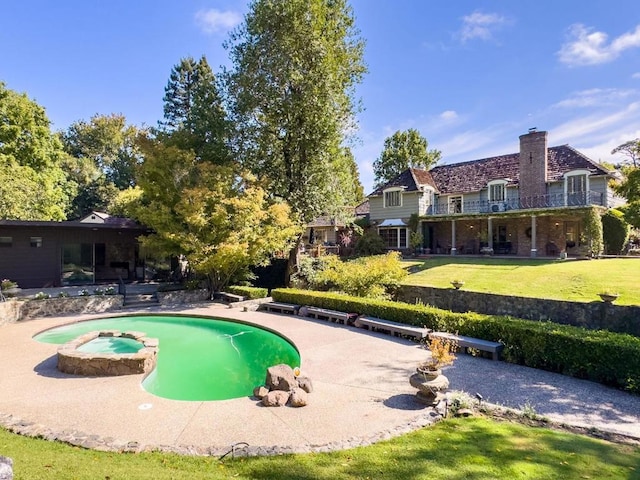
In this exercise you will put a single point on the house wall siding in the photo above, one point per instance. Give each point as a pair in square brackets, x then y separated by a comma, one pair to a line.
[410, 203]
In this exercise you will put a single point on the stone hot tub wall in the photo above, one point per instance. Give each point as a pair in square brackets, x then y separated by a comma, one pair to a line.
[74, 362]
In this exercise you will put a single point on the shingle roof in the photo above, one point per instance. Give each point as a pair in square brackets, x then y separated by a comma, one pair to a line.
[474, 175]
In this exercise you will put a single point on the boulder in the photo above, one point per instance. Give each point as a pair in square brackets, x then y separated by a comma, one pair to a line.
[260, 392]
[305, 384]
[6, 468]
[280, 377]
[298, 398]
[275, 398]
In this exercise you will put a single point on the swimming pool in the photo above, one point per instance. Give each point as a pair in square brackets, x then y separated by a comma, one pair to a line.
[199, 358]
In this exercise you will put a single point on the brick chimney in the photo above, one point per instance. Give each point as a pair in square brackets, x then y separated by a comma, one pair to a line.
[533, 168]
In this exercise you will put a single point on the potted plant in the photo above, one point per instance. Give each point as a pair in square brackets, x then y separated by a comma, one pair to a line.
[428, 378]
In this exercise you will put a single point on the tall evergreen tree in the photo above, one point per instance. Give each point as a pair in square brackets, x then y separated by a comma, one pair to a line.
[194, 117]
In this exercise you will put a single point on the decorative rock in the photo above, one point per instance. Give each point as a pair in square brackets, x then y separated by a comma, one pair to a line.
[298, 398]
[275, 398]
[281, 377]
[6, 468]
[464, 412]
[305, 384]
[260, 392]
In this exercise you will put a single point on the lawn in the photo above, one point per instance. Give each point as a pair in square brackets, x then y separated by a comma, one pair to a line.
[576, 280]
[454, 449]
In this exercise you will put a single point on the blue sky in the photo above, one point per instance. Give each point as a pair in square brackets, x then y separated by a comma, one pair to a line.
[471, 76]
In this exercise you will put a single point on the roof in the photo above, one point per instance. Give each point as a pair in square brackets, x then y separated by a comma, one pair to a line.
[110, 223]
[474, 175]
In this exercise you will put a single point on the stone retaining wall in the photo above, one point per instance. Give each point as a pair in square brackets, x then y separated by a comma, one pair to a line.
[177, 297]
[16, 310]
[593, 315]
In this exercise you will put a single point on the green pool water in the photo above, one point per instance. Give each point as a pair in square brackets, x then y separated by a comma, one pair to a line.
[111, 345]
[199, 358]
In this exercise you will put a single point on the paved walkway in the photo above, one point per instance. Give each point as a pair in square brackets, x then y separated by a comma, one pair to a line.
[362, 394]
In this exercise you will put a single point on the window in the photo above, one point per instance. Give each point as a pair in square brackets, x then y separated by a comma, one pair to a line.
[6, 241]
[497, 192]
[394, 237]
[455, 204]
[576, 187]
[36, 242]
[393, 198]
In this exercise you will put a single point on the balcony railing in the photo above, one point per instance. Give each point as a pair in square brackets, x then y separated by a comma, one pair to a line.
[542, 201]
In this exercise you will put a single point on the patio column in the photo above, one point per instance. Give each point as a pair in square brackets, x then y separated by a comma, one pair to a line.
[453, 237]
[490, 233]
[534, 250]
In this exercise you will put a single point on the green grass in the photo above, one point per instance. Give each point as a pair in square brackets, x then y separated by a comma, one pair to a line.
[454, 449]
[576, 280]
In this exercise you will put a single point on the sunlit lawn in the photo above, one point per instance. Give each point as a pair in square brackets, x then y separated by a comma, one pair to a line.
[577, 280]
[453, 450]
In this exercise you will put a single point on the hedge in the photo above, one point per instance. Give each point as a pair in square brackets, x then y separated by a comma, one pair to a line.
[249, 293]
[599, 355]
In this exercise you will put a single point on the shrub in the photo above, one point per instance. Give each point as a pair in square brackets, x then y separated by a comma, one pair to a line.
[248, 292]
[598, 355]
[6, 284]
[110, 291]
[98, 291]
[84, 292]
[374, 277]
[41, 296]
[63, 294]
[615, 232]
[370, 244]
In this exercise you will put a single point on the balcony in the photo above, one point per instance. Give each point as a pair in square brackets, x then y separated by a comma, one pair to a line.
[559, 200]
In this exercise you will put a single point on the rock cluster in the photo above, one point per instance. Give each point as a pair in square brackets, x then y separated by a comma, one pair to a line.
[283, 387]
[6, 468]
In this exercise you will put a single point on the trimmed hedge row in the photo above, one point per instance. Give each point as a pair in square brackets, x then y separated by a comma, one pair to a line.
[598, 355]
[250, 293]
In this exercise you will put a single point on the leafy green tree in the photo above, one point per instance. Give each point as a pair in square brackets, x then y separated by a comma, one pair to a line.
[631, 150]
[102, 160]
[222, 222]
[33, 185]
[291, 98]
[402, 150]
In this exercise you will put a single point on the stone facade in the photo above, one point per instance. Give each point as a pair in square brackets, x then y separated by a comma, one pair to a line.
[178, 297]
[593, 315]
[75, 362]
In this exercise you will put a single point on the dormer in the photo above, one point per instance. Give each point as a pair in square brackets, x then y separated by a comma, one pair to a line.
[392, 197]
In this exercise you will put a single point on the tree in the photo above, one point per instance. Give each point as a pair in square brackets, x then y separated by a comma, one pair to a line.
[222, 222]
[615, 232]
[402, 150]
[291, 97]
[630, 149]
[194, 117]
[102, 160]
[33, 185]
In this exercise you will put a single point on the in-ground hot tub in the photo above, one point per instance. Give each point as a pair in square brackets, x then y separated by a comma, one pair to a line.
[108, 353]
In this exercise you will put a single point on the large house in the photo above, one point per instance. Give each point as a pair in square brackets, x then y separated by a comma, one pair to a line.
[529, 203]
[97, 248]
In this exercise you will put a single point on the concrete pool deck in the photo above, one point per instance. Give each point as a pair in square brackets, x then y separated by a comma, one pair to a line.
[361, 394]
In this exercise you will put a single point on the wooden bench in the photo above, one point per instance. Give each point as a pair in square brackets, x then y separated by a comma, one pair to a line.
[495, 348]
[395, 328]
[278, 307]
[331, 315]
[231, 297]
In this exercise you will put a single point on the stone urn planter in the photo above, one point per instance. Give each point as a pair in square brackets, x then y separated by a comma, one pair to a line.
[609, 297]
[431, 385]
[457, 284]
[428, 378]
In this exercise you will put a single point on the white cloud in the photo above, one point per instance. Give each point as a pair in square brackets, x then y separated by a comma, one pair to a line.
[215, 21]
[636, 75]
[595, 97]
[448, 115]
[480, 25]
[588, 47]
